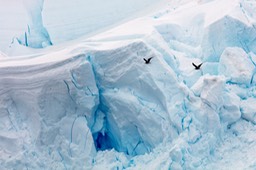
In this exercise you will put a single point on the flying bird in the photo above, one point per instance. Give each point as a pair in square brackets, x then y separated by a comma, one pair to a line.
[197, 67]
[147, 61]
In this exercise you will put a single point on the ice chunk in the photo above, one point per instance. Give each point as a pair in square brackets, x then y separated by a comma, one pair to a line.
[213, 92]
[230, 112]
[248, 109]
[236, 66]
[220, 35]
[210, 89]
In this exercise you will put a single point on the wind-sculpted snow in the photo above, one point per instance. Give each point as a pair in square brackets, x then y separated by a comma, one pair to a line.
[98, 105]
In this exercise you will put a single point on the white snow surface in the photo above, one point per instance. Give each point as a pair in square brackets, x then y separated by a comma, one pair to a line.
[87, 100]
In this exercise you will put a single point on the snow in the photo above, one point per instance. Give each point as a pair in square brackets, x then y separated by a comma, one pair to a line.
[83, 18]
[87, 100]
[29, 31]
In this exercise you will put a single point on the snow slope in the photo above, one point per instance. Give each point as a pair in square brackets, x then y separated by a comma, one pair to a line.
[94, 104]
[42, 23]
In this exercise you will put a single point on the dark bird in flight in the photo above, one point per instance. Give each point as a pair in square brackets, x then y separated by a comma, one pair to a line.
[147, 61]
[197, 67]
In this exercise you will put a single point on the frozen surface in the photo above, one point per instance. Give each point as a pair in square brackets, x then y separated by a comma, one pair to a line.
[42, 23]
[86, 17]
[93, 103]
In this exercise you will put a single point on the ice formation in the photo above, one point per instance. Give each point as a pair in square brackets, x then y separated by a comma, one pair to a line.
[95, 104]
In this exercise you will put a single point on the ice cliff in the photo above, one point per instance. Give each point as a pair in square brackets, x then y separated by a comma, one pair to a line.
[96, 105]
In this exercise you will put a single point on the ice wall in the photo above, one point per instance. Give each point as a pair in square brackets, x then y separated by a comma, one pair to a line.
[109, 99]
[97, 105]
[46, 113]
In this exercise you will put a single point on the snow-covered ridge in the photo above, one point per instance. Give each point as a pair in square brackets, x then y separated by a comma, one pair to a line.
[97, 105]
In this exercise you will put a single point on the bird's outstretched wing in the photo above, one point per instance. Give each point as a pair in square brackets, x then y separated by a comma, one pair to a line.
[145, 60]
[149, 59]
[194, 65]
[199, 65]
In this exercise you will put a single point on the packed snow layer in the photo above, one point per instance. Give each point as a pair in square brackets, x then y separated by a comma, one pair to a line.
[42, 23]
[84, 17]
[97, 105]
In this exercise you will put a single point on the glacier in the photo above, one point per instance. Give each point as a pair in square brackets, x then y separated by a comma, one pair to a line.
[92, 103]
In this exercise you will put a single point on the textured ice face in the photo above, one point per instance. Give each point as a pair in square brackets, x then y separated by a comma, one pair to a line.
[136, 98]
[236, 65]
[46, 112]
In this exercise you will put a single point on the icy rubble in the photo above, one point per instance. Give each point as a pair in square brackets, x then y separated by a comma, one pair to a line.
[96, 105]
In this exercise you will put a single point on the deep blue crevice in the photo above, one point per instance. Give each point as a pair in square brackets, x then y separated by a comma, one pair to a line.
[102, 141]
